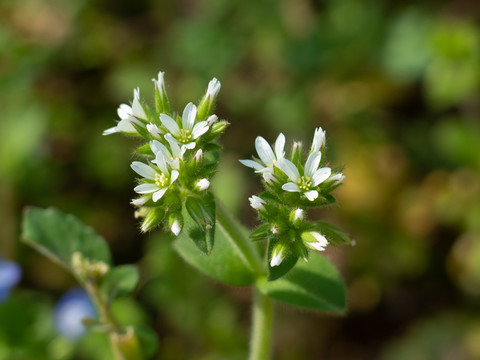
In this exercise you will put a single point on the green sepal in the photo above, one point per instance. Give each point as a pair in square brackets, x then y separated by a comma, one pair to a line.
[200, 221]
[58, 236]
[334, 235]
[145, 149]
[225, 263]
[261, 233]
[276, 272]
[314, 285]
[120, 281]
[142, 131]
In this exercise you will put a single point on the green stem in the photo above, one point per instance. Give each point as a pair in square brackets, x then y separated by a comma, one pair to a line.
[262, 314]
[262, 319]
[124, 342]
[239, 240]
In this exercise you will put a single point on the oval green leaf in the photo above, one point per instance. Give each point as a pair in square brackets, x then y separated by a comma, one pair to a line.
[315, 285]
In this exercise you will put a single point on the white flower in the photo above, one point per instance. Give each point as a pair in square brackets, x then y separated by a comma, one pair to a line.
[278, 255]
[315, 240]
[257, 203]
[268, 158]
[202, 184]
[213, 88]
[318, 140]
[162, 178]
[189, 132]
[172, 158]
[129, 115]
[311, 178]
[175, 228]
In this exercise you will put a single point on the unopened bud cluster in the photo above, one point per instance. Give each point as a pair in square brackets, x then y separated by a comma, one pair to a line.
[88, 269]
[292, 184]
[178, 154]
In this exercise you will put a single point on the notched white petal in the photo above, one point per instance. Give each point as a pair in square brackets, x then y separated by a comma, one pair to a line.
[311, 195]
[264, 151]
[170, 124]
[158, 194]
[290, 186]
[145, 188]
[289, 169]
[143, 170]
[321, 175]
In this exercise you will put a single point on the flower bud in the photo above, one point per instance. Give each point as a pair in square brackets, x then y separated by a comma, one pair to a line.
[318, 140]
[269, 178]
[162, 103]
[337, 179]
[86, 268]
[202, 184]
[278, 255]
[314, 240]
[153, 217]
[205, 108]
[154, 130]
[218, 127]
[257, 203]
[198, 156]
[296, 216]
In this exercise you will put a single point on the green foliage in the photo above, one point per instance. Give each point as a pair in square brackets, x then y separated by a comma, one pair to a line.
[199, 220]
[225, 263]
[59, 236]
[120, 281]
[314, 285]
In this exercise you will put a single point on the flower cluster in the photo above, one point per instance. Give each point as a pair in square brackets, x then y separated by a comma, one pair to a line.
[179, 155]
[292, 185]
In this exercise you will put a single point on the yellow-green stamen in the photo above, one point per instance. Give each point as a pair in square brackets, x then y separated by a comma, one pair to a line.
[304, 183]
[185, 136]
[162, 180]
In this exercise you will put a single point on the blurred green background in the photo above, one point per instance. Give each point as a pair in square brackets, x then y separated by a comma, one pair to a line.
[394, 83]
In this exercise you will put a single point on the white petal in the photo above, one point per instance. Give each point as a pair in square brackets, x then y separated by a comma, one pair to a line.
[137, 108]
[277, 257]
[337, 178]
[252, 164]
[188, 117]
[279, 146]
[256, 202]
[320, 239]
[212, 119]
[125, 125]
[311, 195]
[145, 188]
[154, 131]
[264, 151]
[269, 178]
[174, 145]
[312, 163]
[157, 146]
[199, 129]
[110, 131]
[124, 111]
[321, 175]
[158, 195]
[140, 201]
[315, 246]
[160, 82]
[161, 162]
[189, 146]
[176, 228]
[143, 170]
[289, 169]
[173, 176]
[170, 124]
[202, 184]
[290, 186]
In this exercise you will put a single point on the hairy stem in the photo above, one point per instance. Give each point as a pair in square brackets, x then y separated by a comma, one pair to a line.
[262, 319]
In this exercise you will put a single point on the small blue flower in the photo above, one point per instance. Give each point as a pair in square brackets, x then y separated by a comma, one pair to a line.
[10, 274]
[72, 307]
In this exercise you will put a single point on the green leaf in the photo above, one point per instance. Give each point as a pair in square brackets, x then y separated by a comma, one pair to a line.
[120, 281]
[148, 340]
[200, 221]
[58, 236]
[315, 285]
[225, 263]
[334, 235]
